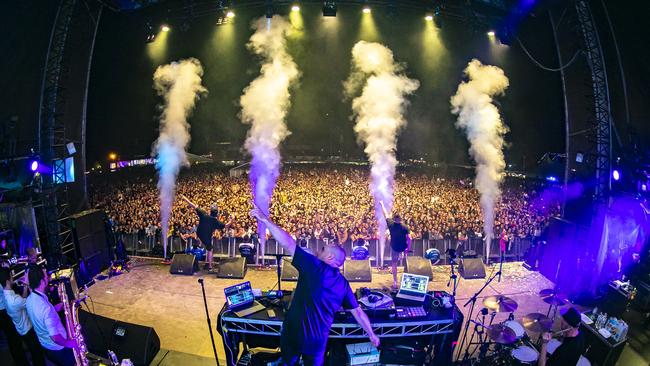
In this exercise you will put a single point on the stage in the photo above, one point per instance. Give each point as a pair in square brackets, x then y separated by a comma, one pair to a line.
[172, 304]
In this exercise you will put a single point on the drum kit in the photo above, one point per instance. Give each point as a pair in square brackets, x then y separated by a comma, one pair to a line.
[512, 345]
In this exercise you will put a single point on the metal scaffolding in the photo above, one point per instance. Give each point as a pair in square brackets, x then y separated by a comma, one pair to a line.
[603, 116]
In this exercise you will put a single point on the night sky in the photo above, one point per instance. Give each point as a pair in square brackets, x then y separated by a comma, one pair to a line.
[123, 104]
[122, 107]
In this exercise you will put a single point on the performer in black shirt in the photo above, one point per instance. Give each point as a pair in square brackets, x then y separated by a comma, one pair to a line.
[400, 239]
[320, 292]
[208, 223]
[569, 352]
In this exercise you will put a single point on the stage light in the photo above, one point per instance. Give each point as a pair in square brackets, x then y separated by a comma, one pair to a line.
[34, 165]
[366, 10]
[551, 178]
[616, 175]
[112, 156]
[230, 14]
[428, 18]
[491, 33]
[329, 9]
[165, 28]
[295, 8]
[644, 187]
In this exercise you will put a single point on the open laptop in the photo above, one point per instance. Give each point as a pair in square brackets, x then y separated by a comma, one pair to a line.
[413, 287]
[241, 300]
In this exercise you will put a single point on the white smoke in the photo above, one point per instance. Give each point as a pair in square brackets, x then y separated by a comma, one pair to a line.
[179, 83]
[484, 128]
[378, 112]
[265, 103]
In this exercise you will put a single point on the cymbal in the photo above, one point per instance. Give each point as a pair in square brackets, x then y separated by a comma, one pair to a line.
[555, 300]
[547, 292]
[536, 322]
[500, 304]
[501, 334]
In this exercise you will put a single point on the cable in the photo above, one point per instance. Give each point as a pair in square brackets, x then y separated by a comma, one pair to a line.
[224, 330]
[539, 64]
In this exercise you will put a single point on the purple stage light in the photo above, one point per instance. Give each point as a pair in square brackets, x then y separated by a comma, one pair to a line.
[644, 187]
[34, 165]
[616, 175]
[551, 178]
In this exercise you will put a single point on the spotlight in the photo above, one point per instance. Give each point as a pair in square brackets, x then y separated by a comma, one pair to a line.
[34, 165]
[428, 18]
[616, 174]
[329, 9]
[551, 178]
[491, 33]
[230, 14]
[295, 8]
[165, 28]
[112, 156]
[366, 10]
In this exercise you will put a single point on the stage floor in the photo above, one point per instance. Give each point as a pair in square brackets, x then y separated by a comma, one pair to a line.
[172, 304]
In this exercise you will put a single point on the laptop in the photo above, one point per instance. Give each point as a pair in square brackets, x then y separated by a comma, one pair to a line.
[413, 287]
[241, 300]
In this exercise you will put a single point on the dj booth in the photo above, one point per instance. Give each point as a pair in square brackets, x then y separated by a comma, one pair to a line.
[425, 339]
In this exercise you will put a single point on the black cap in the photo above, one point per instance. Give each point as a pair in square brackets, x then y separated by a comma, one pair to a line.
[572, 317]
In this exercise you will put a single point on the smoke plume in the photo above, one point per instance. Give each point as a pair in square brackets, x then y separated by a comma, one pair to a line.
[179, 83]
[265, 103]
[378, 113]
[484, 128]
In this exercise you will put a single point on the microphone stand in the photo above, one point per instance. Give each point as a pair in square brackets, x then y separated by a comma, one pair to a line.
[472, 300]
[453, 278]
[278, 261]
[207, 314]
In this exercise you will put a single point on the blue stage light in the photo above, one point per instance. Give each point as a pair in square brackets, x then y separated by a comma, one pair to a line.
[616, 175]
[34, 165]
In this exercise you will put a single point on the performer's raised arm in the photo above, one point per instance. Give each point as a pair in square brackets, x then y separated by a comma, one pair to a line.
[283, 237]
[192, 204]
[383, 210]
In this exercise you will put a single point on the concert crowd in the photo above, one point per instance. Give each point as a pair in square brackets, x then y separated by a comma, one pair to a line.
[326, 202]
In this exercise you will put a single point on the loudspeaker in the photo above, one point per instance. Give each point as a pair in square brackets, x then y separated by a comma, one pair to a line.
[232, 268]
[418, 266]
[90, 240]
[136, 342]
[357, 271]
[472, 268]
[184, 264]
[289, 272]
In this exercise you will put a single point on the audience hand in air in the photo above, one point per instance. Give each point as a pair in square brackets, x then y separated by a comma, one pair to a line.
[374, 340]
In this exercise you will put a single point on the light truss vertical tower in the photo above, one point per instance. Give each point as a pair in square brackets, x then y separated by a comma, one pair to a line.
[603, 115]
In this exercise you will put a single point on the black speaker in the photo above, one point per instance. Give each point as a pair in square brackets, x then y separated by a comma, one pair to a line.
[90, 240]
[357, 271]
[289, 272]
[418, 266]
[472, 268]
[184, 264]
[132, 341]
[232, 268]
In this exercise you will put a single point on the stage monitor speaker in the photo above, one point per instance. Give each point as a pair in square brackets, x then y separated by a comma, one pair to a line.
[232, 268]
[289, 272]
[472, 268]
[357, 271]
[418, 266]
[138, 343]
[184, 264]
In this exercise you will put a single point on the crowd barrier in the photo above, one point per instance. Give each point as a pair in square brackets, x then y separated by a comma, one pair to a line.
[517, 248]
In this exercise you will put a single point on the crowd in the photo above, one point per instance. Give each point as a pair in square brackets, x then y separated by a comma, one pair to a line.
[326, 202]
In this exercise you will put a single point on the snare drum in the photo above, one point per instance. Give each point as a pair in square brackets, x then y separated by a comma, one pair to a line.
[552, 345]
[516, 327]
[524, 355]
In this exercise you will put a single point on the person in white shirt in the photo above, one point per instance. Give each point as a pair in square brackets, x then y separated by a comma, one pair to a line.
[15, 306]
[13, 338]
[46, 322]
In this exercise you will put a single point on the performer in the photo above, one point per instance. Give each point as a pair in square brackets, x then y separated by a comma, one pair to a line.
[46, 322]
[208, 223]
[17, 312]
[569, 352]
[400, 239]
[320, 292]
